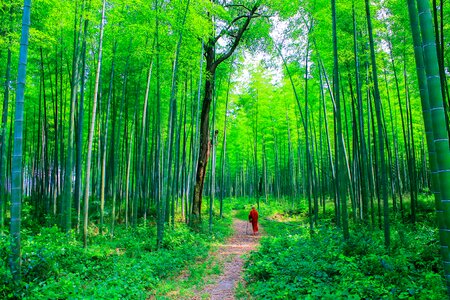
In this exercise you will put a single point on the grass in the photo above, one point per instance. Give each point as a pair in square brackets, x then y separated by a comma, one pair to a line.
[294, 262]
[291, 262]
[56, 266]
[184, 287]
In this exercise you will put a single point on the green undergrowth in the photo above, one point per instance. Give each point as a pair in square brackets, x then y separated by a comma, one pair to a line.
[56, 266]
[293, 263]
[183, 286]
[242, 207]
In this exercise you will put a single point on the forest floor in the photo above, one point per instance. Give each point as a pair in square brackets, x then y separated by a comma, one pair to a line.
[223, 268]
[230, 254]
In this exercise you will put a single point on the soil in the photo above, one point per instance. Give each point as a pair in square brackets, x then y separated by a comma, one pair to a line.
[230, 255]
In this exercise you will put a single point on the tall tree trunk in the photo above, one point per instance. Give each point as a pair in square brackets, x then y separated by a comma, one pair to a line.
[392, 162]
[195, 142]
[414, 178]
[79, 137]
[266, 180]
[380, 130]
[3, 184]
[56, 163]
[184, 162]
[203, 153]
[327, 134]
[173, 119]
[177, 184]
[92, 129]
[38, 155]
[340, 180]
[309, 167]
[224, 149]
[158, 150]
[255, 146]
[204, 135]
[142, 156]
[44, 180]
[406, 139]
[67, 199]
[362, 138]
[356, 161]
[213, 166]
[438, 119]
[17, 169]
[104, 142]
[128, 179]
[115, 150]
[3, 178]
[440, 46]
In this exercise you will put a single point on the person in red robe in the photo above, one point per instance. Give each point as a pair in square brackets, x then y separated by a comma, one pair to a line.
[253, 218]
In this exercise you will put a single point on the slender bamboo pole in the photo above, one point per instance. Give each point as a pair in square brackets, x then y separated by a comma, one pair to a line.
[17, 169]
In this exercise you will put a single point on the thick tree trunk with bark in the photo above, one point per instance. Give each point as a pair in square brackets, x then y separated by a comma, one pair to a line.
[211, 66]
[204, 136]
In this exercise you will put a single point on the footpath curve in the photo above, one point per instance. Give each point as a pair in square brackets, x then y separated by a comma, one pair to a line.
[223, 286]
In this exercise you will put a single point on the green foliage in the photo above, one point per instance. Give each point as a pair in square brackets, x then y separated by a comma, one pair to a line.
[6, 284]
[293, 263]
[55, 265]
[261, 114]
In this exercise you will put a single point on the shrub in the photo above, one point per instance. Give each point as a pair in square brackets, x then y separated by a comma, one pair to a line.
[292, 263]
[56, 266]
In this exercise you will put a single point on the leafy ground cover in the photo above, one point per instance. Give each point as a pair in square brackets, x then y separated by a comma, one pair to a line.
[56, 266]
[292, 263]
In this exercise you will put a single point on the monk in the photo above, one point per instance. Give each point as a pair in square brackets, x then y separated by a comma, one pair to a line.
[253, 218]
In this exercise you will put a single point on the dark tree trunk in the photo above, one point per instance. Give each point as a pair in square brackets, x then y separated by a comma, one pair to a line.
[211, 66]
[204, 135]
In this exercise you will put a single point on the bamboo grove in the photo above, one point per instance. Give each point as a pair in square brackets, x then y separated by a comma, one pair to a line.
[306, 101]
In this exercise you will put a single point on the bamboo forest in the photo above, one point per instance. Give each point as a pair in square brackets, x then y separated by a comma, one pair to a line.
[224, 149]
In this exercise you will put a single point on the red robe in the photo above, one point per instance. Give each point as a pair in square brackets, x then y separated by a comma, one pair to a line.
[253, 218]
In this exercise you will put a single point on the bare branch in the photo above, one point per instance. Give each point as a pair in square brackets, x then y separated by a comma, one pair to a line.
[238, 37]
[224, 31]
[238, 5]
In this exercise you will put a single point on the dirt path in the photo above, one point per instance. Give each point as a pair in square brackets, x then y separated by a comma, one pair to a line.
[230, 254]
